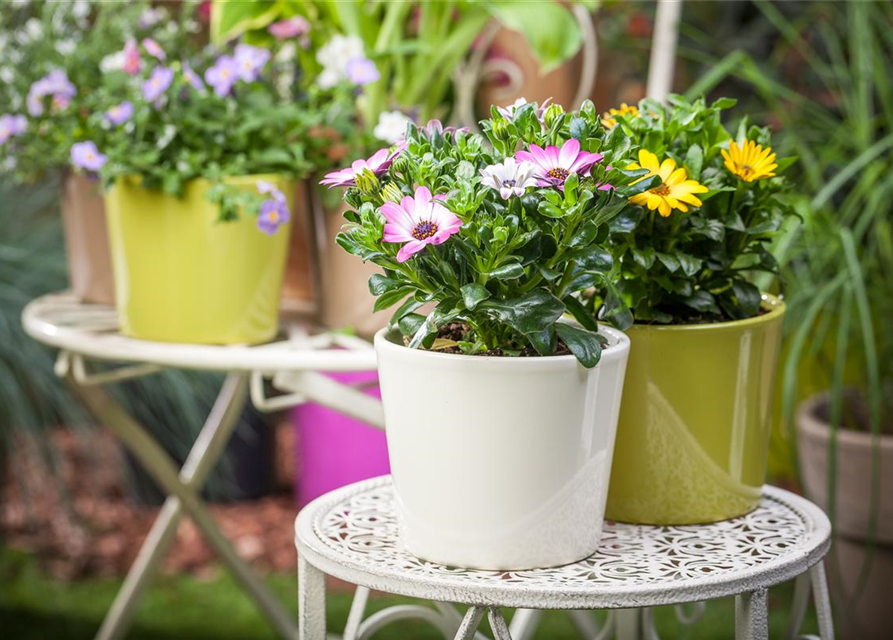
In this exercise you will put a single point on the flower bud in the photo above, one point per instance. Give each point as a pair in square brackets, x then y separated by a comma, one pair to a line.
[367, 182]
[391, 192]
[501, 129]
[552, 114]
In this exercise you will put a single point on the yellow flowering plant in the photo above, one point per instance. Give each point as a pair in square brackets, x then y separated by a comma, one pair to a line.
[685, 247]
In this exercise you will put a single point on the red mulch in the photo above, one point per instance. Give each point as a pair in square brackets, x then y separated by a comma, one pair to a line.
[97, 531]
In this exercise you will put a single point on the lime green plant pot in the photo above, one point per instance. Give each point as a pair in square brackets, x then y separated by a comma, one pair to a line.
[693, 435]
[182, 276]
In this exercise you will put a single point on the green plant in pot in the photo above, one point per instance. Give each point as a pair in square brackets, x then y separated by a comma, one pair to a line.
[694, 426]
[200, 158]
[500, 411]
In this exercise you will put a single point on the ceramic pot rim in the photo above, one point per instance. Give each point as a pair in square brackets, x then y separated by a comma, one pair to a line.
[615, 351]
[808, 421]
[774, 304]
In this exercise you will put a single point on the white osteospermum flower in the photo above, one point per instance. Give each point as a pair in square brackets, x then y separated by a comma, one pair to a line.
[391, 126]
[508, 112]
[334, 56]
[66, 47]
[510, 178]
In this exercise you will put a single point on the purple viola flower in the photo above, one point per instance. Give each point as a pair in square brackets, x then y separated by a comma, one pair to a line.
[250, 61]
[268, 188]
[192, 78]
[11, 126]
[273, 214]
[154, 49]
[223, 75]
[119, 114]
[85, 155]
[362, 71]
[291, 28]
[159, 80]
[56, 84]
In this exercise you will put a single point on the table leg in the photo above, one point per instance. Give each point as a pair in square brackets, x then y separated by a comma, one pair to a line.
[752, 616]
[311, 602]
[204, 454]
[799, 606]
[470, 623]
[497, 624]
[525, 623]
[156, 461]
[822, 601]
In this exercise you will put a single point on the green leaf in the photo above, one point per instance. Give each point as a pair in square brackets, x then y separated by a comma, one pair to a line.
[549, 210]
[749, 298]
[530, 313]
[472, 294]
[581, 314]
[694, 161]
[391, 298]
[380, 283]
[593, 259]
[669, 261]
[410, 324]
[702, 301]
[550, 29]
[584, 344]
[615, 310]
[507, 272]
[689, 264]
[231, 19]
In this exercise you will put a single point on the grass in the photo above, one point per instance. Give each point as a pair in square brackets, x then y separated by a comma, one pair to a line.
[34, 606]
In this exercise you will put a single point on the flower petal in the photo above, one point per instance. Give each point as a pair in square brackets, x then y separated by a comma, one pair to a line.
[567, 156]
[409, 249]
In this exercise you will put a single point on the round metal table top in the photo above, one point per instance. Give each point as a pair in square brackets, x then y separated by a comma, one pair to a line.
[353, 534]
[91, 330]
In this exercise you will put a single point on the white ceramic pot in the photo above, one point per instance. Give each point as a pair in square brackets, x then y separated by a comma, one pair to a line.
[500, 463]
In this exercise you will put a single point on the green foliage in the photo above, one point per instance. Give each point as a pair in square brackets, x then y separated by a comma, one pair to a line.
[519, 259]
[688, 262]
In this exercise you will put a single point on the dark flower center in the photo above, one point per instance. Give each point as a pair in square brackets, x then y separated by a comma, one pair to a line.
[424, 230]
[508, 183]
[660, 190]
[558, 173]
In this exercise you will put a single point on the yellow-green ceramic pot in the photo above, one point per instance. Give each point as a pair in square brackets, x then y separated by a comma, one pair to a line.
[693, 435]
[182, 276]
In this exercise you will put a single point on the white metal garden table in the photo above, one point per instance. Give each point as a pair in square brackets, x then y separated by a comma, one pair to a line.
[89, 332]
[353, 534]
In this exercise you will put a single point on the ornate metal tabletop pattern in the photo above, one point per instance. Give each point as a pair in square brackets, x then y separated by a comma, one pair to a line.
[354, 534]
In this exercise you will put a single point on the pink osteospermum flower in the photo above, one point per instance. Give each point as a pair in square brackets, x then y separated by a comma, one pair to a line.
[554, 165]
[378, 163]
[418, 222]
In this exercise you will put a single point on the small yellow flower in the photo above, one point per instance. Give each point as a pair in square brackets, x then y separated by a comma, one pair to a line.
[624, 110]
[675, 191]
[750, 162]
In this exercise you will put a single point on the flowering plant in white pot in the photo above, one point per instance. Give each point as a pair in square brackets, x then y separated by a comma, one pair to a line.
[500, 412]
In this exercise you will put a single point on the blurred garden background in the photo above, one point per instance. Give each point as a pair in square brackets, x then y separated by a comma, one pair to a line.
[75, 507]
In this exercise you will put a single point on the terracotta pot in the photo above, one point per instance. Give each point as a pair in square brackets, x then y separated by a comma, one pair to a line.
[522, 77]
[868, 616]
[300, 288]
[87, 241]
[345, 299]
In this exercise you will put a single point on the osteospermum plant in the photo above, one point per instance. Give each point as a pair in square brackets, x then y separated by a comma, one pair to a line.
[686, 247]
[499, 238]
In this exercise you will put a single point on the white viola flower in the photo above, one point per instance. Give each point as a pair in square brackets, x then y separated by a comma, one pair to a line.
[66, 47]
[113, 62]
[511, 178]
[287, 53]
[80, 9]
[7, 75]
[391, 126]
[334, 57]
[167, 136]
[31, 30]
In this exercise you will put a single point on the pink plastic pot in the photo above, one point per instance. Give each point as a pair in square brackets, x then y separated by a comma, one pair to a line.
[334, 450]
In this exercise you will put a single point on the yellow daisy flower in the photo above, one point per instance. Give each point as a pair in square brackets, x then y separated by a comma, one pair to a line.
[624, 110]
[750, 162]
[676, 191]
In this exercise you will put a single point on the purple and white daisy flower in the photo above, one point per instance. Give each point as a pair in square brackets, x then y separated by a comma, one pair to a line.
[11, 126]
[159, 80]
[435, 128]
[85, 155]
[154, 49]
[250, 61]
[223, 75]
[378, 163]
[554, 165]
[511, 178]
[418, 222]
[508, 112]
[362, 71]
[119, 114]
[290, 28]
